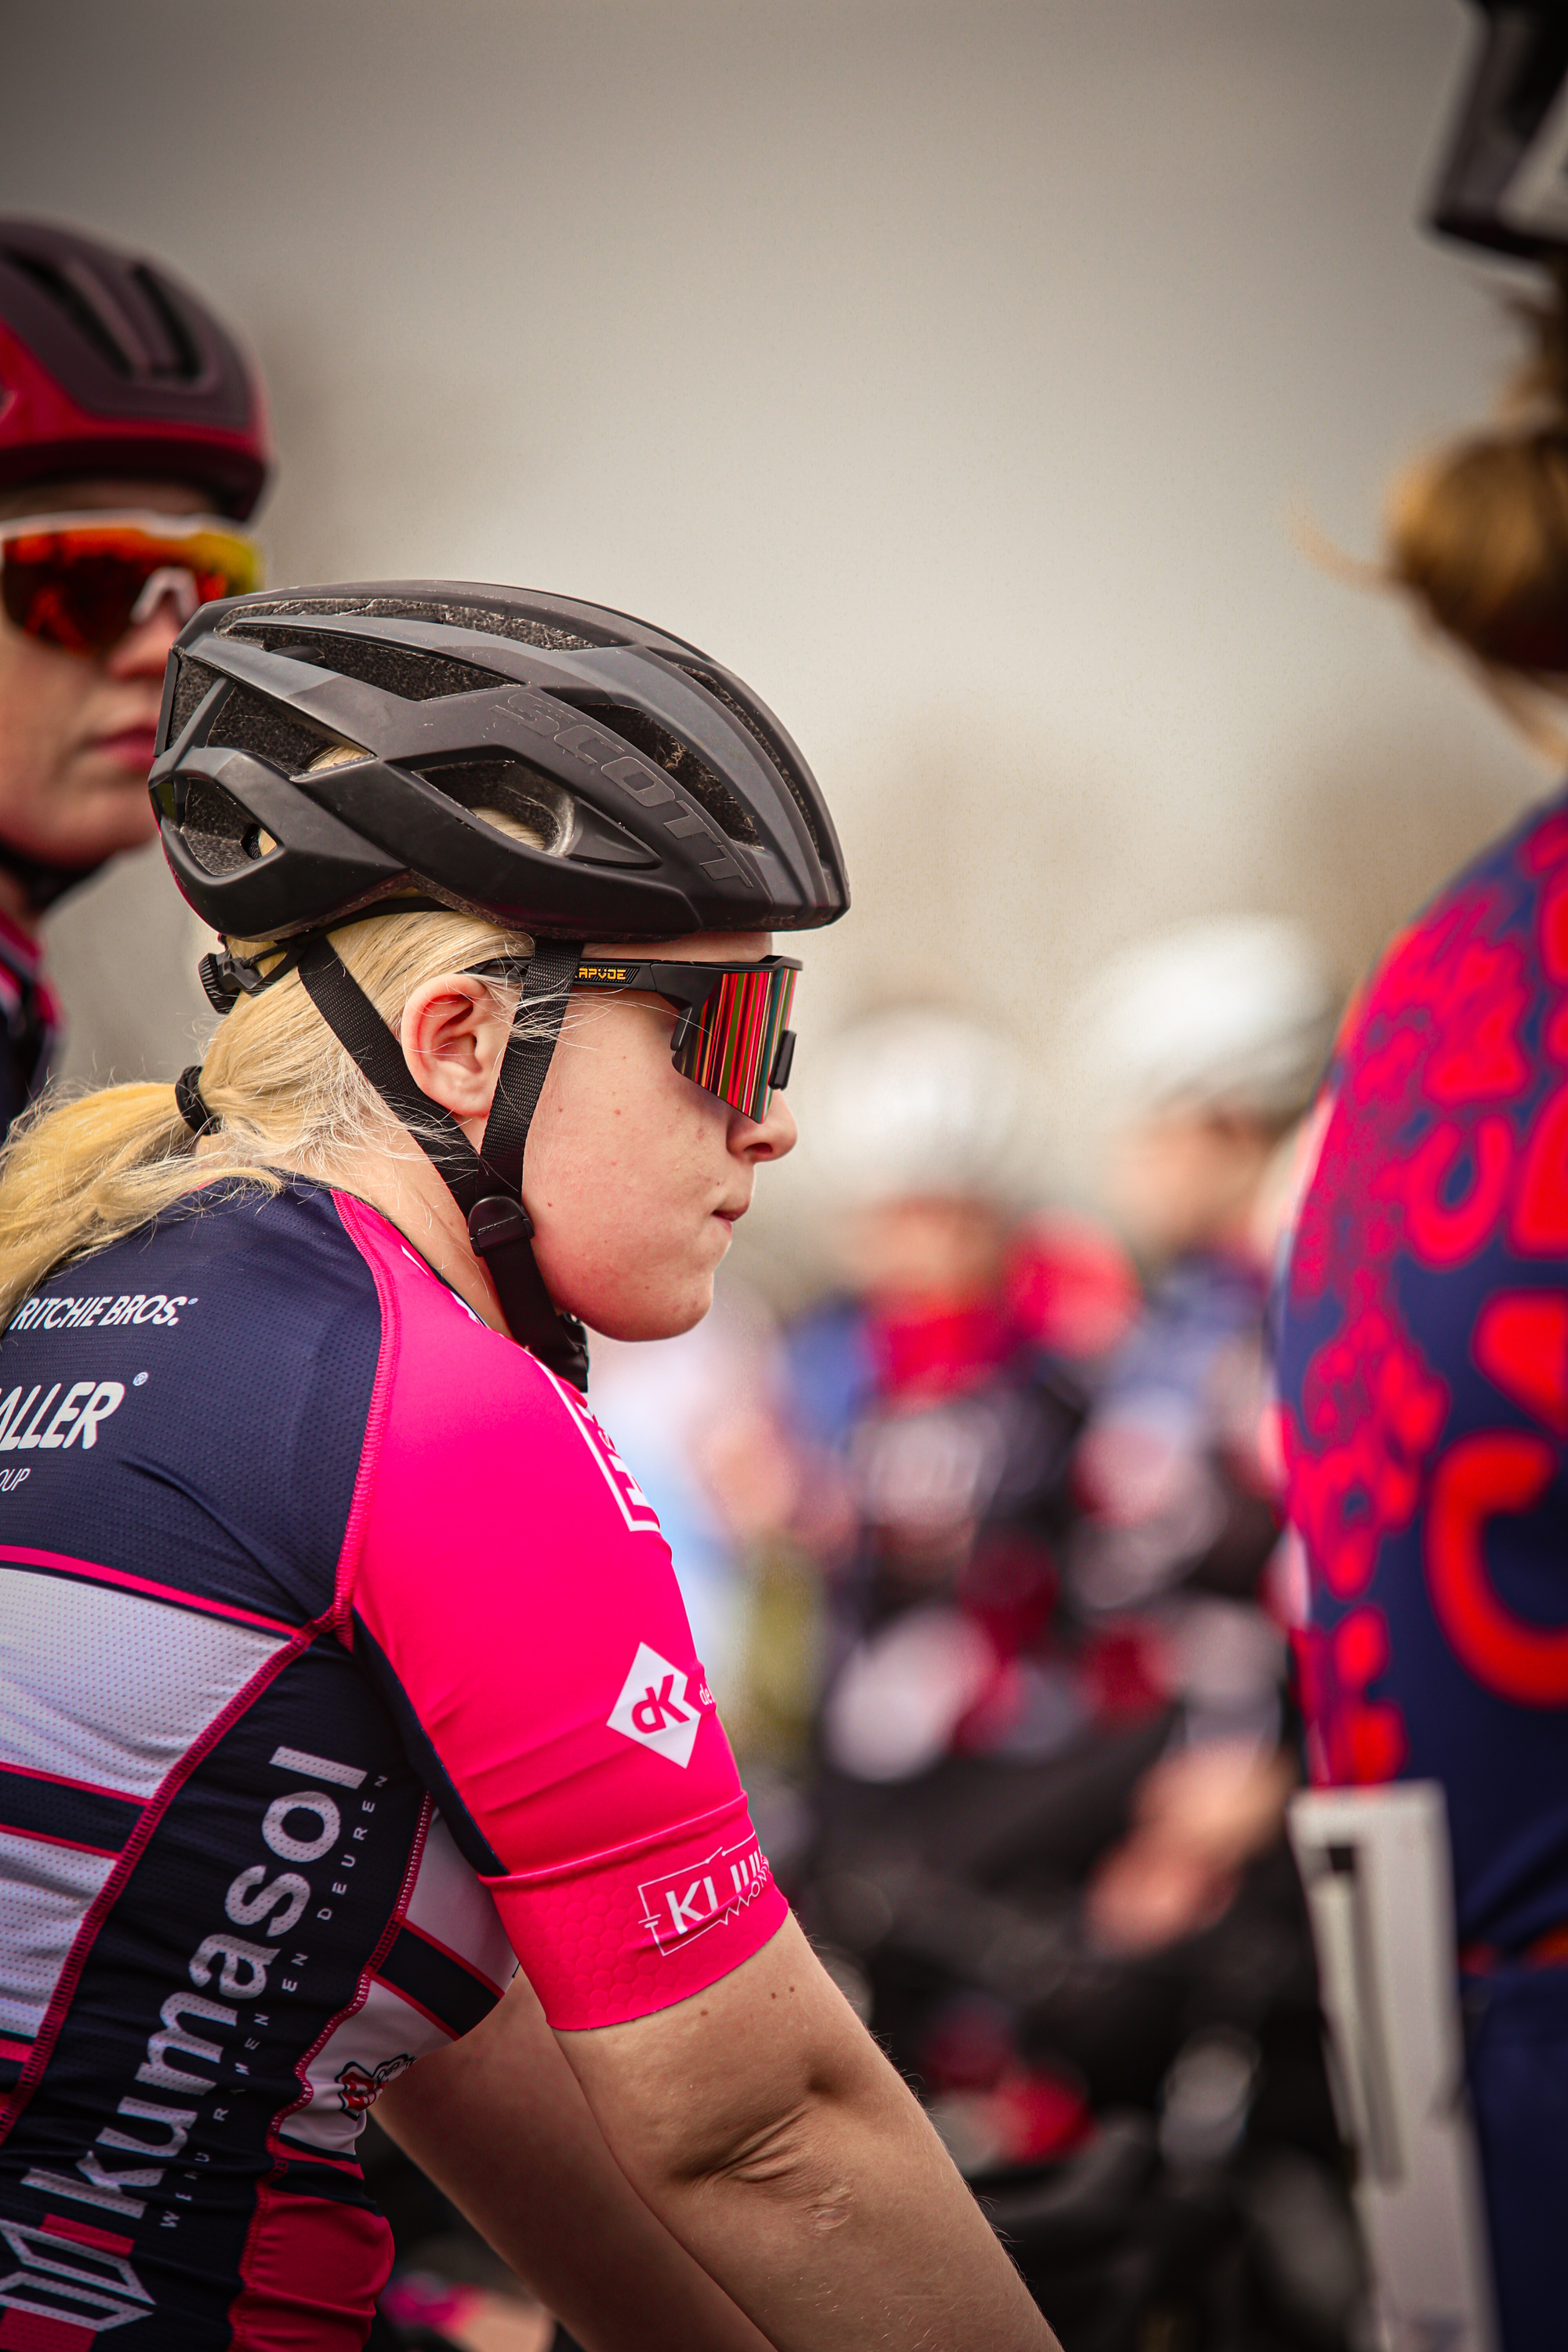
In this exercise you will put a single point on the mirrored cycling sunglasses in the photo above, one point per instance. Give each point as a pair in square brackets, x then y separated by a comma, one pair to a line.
[732, 1032]
[82, 581]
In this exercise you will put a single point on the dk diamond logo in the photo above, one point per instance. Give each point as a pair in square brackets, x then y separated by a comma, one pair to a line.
[661, 1708]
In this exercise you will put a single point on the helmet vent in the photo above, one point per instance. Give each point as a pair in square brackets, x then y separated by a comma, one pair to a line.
[408, 672]
[184, 362]
[192, 680]
[677, 759]
[512, 787]
[767, 743]
[247, 722]
[56, 287]
[222, 836]
[494, 620]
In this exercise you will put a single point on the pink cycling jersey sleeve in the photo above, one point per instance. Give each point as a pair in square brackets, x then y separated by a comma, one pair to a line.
[504, 1564]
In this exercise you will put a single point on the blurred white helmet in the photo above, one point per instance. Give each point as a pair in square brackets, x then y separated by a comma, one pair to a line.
[915, 1103]
[1234, 1013]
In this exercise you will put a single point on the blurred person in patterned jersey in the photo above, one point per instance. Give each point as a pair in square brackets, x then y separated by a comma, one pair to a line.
[927, 1412]
[937, 1400]
[1424, 1358]
[1208, 1043]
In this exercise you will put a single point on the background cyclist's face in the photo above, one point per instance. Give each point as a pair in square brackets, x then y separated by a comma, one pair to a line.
[635, 1175]
[77, 730]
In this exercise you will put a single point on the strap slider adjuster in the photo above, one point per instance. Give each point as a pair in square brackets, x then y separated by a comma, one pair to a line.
[497, 1220]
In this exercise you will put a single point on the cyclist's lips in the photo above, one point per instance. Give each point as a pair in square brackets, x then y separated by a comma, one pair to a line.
[128, 747]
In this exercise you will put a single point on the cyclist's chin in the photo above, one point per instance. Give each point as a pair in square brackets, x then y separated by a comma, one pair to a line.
[101, 811]
[648, 1307]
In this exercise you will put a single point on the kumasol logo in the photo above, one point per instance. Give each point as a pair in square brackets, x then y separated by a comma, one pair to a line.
[661, 1706]
[71, 2279]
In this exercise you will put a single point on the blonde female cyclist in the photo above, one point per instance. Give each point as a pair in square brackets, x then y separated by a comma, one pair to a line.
[343, 1667]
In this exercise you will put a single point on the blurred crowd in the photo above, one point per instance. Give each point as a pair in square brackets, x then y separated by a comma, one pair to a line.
[985, 1554]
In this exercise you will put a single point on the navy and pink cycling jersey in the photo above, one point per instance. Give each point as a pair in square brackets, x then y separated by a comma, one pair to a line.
[343, 1667]
[1423, 1367]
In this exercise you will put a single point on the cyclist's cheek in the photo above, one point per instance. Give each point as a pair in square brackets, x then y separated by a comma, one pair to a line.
[631, 1180]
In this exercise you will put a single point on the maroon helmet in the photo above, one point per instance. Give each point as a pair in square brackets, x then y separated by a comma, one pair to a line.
[108, 365]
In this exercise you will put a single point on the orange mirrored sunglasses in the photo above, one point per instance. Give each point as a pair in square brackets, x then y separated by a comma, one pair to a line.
[82, 582]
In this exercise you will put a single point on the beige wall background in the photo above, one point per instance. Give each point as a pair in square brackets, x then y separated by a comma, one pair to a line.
[955, 372]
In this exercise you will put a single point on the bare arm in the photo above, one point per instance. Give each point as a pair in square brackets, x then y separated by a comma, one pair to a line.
[761, 2123]
[498, 2122]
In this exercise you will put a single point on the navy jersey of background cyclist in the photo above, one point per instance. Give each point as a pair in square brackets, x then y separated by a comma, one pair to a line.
[1424, 1376]
[340, 1659]
[1180, 1519]
[1425, 1373]
[31, 1019]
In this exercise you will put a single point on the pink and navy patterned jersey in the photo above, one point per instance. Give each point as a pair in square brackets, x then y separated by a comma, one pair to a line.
[341, 1661]
[29, 1021]
[1424, 1376]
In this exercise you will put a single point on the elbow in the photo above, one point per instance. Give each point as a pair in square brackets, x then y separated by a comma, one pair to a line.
[797, 2163]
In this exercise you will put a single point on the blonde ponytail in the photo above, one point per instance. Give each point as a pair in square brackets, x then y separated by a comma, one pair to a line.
[76, 1176]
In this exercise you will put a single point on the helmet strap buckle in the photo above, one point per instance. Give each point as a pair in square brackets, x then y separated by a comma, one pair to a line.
[497, 1220]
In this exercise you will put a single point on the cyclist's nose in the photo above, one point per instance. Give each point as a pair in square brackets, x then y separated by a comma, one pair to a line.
[770, 1136]
[144, 650]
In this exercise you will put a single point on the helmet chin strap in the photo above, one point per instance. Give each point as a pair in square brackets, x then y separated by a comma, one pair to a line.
[43, 883]
[486, 1184]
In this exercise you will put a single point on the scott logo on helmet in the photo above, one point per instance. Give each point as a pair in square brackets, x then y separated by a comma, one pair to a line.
[661, 1706]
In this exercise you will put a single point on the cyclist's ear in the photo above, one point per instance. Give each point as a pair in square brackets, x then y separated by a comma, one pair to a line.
[453, 1033]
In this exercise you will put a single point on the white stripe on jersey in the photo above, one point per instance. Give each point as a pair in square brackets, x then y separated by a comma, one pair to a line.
[109, 1686]
[450, 1906]
[370, 2048]
[45, 1892]
[453, 1910]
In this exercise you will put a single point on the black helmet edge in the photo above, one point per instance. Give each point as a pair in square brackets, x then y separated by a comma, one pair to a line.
[1501, 188]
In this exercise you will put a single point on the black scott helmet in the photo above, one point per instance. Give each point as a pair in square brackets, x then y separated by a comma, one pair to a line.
[324, 749]
[335, 753]
[1504, 179]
